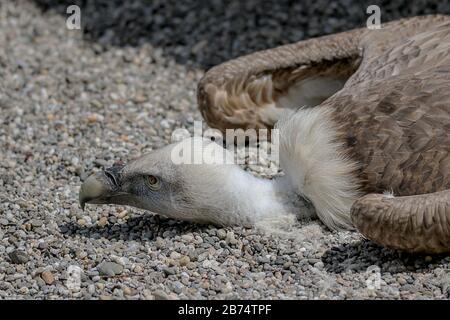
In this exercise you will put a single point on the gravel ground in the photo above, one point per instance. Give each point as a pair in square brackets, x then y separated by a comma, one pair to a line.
[72, 102]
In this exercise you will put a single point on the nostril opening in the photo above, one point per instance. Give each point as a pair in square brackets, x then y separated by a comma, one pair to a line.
[111, 177]
[113, 173]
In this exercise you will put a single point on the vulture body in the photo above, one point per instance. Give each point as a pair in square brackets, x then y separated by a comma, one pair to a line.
[374, 116]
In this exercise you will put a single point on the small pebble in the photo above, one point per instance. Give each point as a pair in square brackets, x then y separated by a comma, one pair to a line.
[48, 277]
[110, 269]
[18, 257]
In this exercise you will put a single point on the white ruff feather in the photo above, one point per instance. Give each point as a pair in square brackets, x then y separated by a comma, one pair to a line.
[315, 168]
[225, 194]
[316, 165]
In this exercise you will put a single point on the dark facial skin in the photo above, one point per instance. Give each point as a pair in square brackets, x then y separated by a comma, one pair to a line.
[147, 191]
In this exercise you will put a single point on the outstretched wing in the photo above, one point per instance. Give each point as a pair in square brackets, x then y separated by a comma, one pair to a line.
[252, 91]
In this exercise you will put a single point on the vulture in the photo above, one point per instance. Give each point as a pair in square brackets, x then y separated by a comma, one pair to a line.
[364, 138]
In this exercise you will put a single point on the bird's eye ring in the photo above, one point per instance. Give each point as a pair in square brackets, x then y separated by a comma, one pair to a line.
[152, 182]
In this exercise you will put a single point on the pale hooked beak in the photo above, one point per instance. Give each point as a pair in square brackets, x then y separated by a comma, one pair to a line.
[100, 187]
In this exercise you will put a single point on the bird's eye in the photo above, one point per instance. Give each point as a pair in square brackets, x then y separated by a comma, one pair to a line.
[152, 182]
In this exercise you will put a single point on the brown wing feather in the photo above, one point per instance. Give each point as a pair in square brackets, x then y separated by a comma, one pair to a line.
[396, 121]
[238, 93]
[232, 94]
[417, 223]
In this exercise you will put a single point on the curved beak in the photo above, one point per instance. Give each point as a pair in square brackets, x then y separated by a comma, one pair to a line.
[100, 187]
[94, 189]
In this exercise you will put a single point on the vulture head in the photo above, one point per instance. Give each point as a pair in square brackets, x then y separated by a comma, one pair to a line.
[159, 183]
[194, 180]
